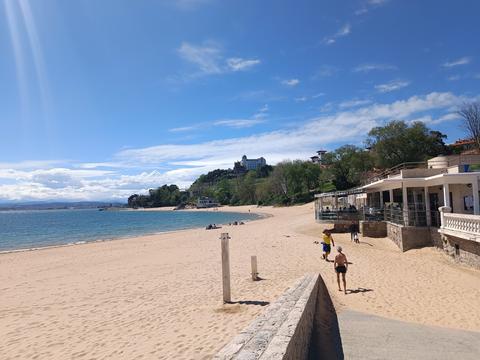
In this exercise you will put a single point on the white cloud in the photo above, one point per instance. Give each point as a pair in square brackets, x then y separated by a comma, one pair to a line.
[239, 64]
[239, 123]
[257, 118]
[353, 103]
[462, 61]
[325, 71]
[209, 59]
[293, 143]
[301, 99]
[370, 4]
[377, 2]
[454, 78]
[307, 98]
[361, 11]
[185, 162]
[343, 31]
[183, 128]
[366, 68]
[291, 82]
[392, 86]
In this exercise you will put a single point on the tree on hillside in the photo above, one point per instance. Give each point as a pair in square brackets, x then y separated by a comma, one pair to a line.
[347, 164]
[397, 142]
[470, 114]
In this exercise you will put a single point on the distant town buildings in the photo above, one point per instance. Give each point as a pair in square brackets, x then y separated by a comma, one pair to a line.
[318, 159]
[206, 202]
[249, 164]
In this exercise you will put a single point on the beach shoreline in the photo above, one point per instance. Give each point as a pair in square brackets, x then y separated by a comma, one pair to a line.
[230, 209]
[160, 295]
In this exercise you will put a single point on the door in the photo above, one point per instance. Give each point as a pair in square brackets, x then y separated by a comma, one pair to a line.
[434, 204]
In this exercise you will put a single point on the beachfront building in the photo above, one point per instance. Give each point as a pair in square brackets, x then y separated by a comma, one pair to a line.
[206, 202]
[252, 164]
[416, 204]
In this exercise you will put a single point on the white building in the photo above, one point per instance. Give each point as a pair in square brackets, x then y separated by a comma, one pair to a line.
[318, 159]
[206, 202]
[252, 164]
[434, 203]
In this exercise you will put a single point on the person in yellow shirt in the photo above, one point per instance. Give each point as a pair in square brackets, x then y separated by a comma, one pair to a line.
[327, 243]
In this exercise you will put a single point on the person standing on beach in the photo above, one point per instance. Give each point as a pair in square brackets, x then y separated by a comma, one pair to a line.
[341, 265]
[353, 231]
[327, 243]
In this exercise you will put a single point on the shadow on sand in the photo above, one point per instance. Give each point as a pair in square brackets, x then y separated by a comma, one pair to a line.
[326, 342]
[364, 242]
[358, 290]
[249, 302]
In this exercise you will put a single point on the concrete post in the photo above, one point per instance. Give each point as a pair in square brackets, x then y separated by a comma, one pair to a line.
[405, 204]
[226, 268]
[446, 196]
[390, 193]
[428, 212]
[336, 202]
[381, 199]
[476, 204]
[443, 209]
[254, 268]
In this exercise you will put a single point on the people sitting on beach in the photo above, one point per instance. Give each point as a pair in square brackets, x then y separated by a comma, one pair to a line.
[211, 227]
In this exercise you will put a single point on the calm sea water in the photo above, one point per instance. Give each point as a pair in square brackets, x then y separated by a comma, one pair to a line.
[37, 228]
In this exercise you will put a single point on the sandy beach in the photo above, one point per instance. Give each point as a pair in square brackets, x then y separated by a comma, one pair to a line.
[160, 296]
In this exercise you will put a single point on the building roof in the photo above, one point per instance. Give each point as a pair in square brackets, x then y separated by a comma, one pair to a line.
[433, 180]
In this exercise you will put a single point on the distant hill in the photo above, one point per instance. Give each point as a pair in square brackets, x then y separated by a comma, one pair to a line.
[59, 205]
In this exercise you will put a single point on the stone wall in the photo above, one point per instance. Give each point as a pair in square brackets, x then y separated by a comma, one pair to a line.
[468, 251]
[374, 229]
[408, 237]
[436, 237]
[283, 331]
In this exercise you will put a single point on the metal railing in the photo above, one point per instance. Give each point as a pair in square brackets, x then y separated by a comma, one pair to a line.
[395, 171]
[396, 215]
[340, 215]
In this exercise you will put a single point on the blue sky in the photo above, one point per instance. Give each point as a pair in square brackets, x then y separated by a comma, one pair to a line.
[101, 99]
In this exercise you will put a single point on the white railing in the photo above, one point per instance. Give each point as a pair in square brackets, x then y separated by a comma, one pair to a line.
[461, 225]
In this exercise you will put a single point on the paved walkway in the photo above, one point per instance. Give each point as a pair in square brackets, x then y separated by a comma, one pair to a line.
[372, 337]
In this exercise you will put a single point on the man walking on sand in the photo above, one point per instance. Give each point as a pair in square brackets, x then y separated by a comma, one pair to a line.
[327, 243]
[341, 265]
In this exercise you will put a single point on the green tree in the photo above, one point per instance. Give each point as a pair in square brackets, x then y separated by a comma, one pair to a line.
[347, 164]
[397, 142]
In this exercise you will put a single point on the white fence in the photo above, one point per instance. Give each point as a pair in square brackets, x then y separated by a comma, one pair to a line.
[461, 225]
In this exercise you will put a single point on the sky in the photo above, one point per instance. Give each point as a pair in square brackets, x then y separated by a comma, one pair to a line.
[103, 99]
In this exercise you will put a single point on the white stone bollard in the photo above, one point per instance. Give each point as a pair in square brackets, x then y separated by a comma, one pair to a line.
[226, 268]
[254, 268]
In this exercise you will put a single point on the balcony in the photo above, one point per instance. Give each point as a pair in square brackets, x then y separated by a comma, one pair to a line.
[461, 225]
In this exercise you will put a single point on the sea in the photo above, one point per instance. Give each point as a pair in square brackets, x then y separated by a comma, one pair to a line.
[32, 229]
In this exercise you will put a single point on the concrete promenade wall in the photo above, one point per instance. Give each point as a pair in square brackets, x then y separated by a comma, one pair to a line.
[285, 330]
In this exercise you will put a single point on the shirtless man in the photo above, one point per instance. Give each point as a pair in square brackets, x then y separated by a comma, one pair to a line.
[341, 265]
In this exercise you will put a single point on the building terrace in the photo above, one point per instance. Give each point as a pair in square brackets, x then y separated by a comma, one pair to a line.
[415, 204]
